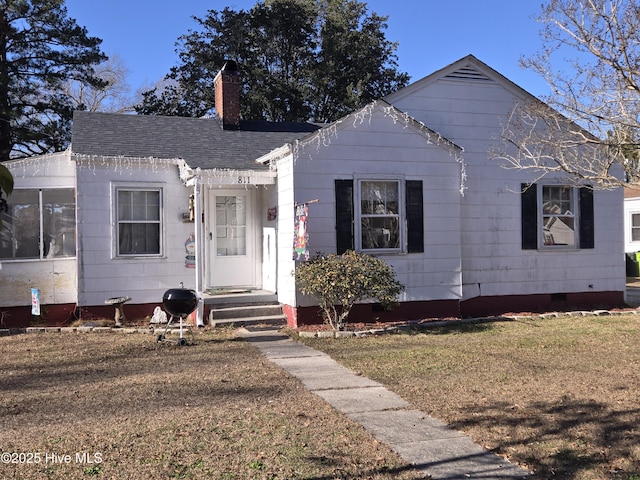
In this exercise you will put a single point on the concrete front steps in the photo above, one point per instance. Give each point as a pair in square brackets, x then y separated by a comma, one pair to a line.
[246, 308]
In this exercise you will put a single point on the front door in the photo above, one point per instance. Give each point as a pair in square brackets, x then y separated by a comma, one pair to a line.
[231, 239]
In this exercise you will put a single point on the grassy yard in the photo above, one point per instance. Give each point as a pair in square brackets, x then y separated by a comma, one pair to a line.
[121, 406]
[558, 395]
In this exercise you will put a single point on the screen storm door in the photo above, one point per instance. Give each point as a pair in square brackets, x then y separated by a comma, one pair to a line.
[231, 239]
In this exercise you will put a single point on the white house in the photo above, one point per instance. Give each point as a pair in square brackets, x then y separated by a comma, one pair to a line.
[156, 201]
[509, 259]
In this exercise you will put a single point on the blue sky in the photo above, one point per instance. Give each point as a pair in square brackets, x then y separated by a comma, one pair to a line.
[431, 33]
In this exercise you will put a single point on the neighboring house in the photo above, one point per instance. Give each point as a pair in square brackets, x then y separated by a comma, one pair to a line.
[631, 220]
[164, 200]
[632, 231]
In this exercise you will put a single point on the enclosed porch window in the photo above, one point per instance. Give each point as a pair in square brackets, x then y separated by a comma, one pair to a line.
[39, 224]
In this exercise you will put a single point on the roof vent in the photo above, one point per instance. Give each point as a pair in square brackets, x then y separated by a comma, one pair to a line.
[468, 73]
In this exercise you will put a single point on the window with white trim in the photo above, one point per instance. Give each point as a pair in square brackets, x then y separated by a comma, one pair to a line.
[557, 216]
[139, 221]
[380, 220]
[635, 227]
[379, 215]
[39, 224]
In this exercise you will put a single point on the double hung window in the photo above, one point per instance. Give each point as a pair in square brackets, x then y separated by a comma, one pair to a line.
[139, 221]
[381, 215]
[557, 217]
[635, 227]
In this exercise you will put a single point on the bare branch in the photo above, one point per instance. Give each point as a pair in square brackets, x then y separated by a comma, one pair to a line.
[114, 97]
[592, 133]
[539, 139]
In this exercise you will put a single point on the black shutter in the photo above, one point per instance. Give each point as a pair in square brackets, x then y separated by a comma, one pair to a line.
[586, 223]
[529, 202]
[344, 216]
[415, 216]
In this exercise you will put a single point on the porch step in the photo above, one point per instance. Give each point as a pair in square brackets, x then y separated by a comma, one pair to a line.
[246, 314]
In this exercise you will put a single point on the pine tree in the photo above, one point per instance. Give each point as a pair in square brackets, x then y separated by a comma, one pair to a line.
[40, 49]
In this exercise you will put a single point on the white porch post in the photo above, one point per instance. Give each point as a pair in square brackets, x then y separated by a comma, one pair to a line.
[199, 233]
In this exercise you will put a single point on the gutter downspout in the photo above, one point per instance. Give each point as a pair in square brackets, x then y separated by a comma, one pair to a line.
[198, 213]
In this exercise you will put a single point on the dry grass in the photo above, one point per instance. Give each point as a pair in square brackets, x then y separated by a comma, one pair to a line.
[559, 396]
[142, 410]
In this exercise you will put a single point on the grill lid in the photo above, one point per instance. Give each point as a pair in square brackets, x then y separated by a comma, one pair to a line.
[180, 301]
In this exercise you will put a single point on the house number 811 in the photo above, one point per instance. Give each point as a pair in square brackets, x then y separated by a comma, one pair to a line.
[244, 180]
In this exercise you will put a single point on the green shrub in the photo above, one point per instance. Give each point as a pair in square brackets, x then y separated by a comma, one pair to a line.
[338, 282]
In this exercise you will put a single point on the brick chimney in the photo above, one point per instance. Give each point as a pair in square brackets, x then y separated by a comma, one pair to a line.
[227, 95]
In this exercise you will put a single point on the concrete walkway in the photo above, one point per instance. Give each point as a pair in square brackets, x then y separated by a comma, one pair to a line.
[420, 440]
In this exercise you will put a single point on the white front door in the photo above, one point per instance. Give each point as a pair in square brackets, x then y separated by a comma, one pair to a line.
[231, 238]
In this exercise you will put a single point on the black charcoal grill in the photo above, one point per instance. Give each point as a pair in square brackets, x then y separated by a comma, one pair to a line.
[178, 302]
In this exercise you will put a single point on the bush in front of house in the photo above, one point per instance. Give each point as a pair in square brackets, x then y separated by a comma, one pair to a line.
[338, 282]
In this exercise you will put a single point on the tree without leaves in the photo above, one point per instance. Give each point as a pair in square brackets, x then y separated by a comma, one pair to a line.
[300, 60]
[112, 96]
[593, 133]
[40, 49]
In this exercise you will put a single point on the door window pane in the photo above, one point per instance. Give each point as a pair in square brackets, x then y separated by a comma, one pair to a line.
[231, 225]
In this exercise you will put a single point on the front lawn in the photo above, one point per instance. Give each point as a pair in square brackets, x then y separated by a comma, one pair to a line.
[121, 406]
[558, 395]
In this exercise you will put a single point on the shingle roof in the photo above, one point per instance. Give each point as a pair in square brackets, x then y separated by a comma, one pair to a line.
[201, 142]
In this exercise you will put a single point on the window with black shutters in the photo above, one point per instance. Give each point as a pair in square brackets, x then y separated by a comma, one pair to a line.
[379, 215]
[557, 217]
